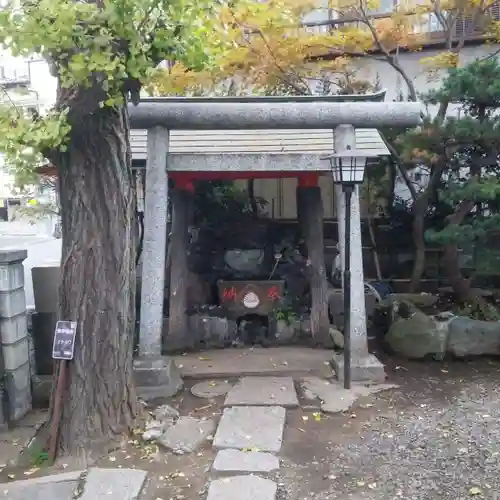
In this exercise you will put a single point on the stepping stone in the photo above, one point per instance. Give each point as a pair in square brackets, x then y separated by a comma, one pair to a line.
[263, 391]
[242, 488]
[334, 398]
[54, 487]
[125, 484]
[211, 389]
[258, 428]
[241, 462]
[187, 435]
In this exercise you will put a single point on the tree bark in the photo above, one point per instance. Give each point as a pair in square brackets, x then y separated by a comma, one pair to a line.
[98, 282]
[461, 286]
[418, 229]
[310, 207]
[182, 212]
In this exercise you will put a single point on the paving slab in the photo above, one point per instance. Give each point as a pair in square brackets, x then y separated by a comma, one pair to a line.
[53, 487]
[187, 435]
[263, 391]
[258, 428]
[119, 484]
[242, 488]
[241, 462]
[211, 389]
[334, 398]
[272, 361]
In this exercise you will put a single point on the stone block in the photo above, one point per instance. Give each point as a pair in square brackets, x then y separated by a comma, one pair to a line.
[366, 369]
[122, 484]
[16, 355]
[18, 392]
[244, 462]
[10, 256]
[187, 435]
[11, 277]
[242, 488]
[254, 427]
[13, 329]
[212, 331]
[263, 391]
[12, 303]
[156, 377]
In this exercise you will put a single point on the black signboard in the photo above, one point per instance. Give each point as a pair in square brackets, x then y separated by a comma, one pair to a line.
[64, 340]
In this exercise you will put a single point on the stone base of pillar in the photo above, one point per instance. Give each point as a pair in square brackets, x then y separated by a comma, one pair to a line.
[156, 377]
[366, 369]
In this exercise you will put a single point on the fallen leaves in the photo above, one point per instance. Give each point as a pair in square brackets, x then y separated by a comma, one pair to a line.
[475, 491]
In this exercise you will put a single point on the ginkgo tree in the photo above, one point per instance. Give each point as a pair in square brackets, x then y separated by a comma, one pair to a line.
[101, 52]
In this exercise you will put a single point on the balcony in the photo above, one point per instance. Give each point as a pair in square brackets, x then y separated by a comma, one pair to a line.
[13, 77]
[425, 30]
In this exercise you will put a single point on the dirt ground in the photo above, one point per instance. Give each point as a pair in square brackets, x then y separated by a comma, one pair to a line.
[434, 437]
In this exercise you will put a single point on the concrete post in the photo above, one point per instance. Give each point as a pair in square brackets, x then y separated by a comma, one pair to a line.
[364, 366]
[15, 357]
[155, 376]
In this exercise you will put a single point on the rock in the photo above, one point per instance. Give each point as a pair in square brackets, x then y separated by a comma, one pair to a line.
[415, 335]
[152, 434]
[334, 398]
[337, 337]
[187, 435]
[470, 337]
[155, 428]
[165, 412]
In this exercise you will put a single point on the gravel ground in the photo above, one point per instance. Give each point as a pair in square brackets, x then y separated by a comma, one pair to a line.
[438, 437]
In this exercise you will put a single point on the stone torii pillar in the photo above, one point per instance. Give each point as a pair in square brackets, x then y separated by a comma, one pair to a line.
[155, 375]
[365, 367]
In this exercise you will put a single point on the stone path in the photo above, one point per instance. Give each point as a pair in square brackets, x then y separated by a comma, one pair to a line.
[250, 432]
[112, 484]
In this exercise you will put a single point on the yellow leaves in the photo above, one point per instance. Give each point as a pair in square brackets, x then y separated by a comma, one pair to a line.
[444, 60]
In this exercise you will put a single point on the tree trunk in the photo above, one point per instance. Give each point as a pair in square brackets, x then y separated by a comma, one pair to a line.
[98, 282]
[182, 211]
[461, 286]
[418, 229]
[310, 207]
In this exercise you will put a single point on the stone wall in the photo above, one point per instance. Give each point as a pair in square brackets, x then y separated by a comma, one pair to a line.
[15, 357]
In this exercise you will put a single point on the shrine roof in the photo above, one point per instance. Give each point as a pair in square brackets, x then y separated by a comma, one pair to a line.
[275, 141]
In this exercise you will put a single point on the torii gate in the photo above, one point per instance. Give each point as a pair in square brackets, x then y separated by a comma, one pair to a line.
[155, 374]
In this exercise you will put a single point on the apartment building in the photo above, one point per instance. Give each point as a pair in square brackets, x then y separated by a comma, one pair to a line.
[27, 84]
